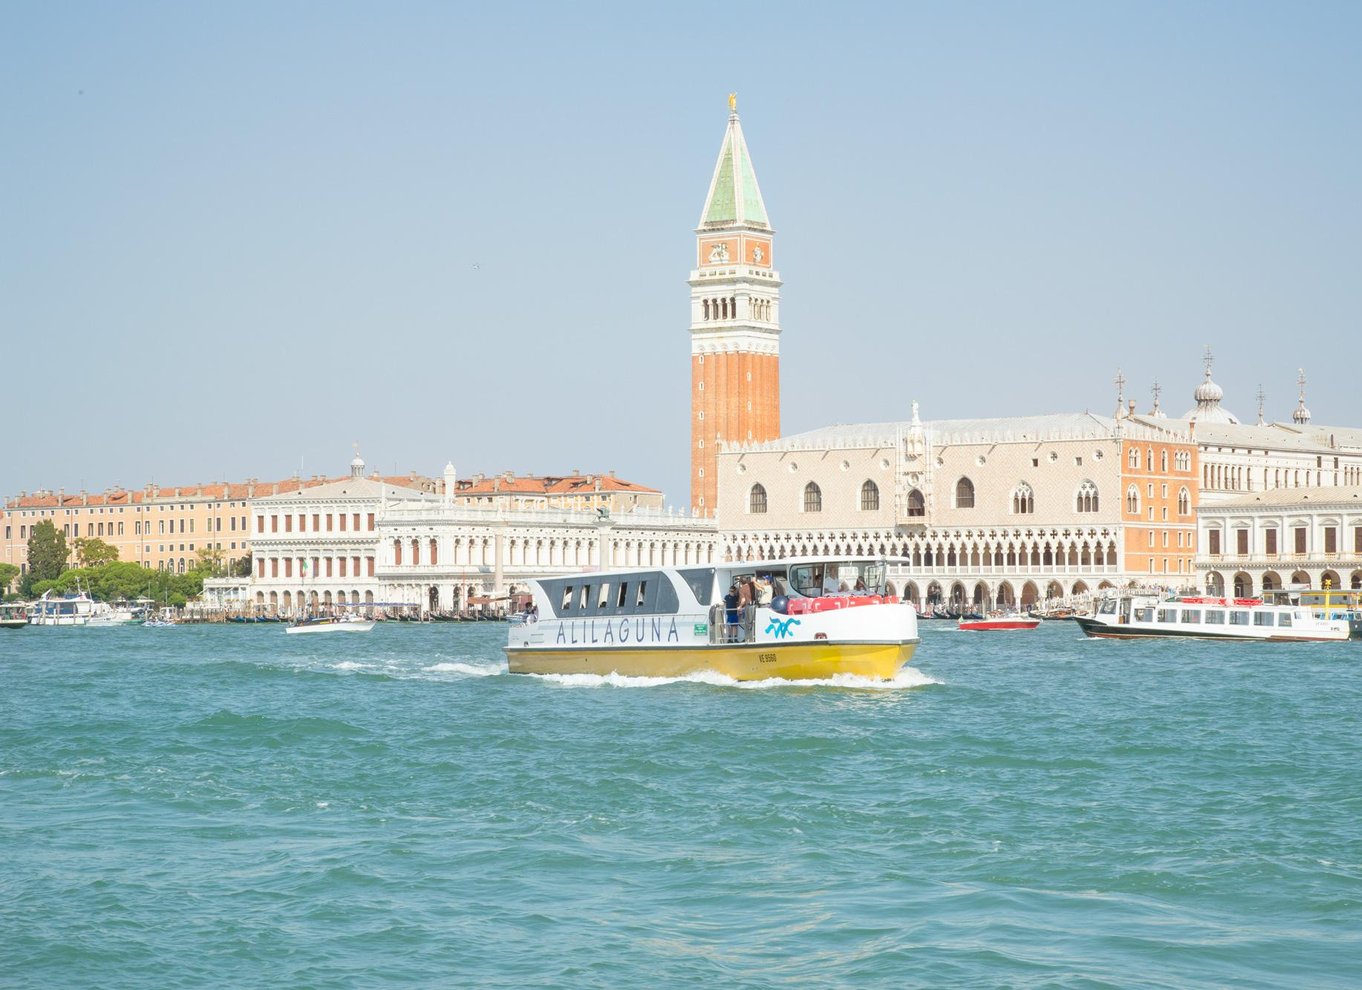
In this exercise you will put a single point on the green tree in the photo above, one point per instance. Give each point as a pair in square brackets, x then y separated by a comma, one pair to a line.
[8, 572]
[92, 552]
[210, 560]
[46, 552]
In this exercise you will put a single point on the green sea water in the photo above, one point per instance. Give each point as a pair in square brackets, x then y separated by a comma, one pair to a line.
[230, 806]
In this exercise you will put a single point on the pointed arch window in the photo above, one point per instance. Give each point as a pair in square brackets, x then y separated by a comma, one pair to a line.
[1134, 459]
[1133, 500]
[756, 499]
[916, 506]
[1023, 499]
[1087, 497]
[813, 498]
[1184, 502]
[964, 494]
[870, 496]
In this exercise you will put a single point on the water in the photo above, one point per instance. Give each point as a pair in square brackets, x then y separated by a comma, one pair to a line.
[230, 806]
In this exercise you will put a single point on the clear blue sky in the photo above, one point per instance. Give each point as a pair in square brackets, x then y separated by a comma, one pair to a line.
[237, 237]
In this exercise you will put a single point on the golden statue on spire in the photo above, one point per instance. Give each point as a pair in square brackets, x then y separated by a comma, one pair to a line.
[733, 102]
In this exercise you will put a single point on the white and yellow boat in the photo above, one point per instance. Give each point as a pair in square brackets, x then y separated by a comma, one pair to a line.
[812, 618]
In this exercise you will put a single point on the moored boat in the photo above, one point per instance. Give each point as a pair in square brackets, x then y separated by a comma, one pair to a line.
[77, 609]
[1011, 622]
[1151, 616]
[800, 619]
[13, 616]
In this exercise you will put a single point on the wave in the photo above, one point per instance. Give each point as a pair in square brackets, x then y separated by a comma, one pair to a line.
[467, 669]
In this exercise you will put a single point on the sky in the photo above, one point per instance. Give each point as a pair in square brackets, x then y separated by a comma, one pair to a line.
[236, 239]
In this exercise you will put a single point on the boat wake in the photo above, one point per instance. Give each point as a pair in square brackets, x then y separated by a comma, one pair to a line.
[909, 677]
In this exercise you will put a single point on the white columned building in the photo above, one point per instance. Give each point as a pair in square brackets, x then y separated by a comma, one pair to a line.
[1267, 541]
[366, 542]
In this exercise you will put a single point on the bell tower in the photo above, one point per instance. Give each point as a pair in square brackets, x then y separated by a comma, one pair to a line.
[734, 318]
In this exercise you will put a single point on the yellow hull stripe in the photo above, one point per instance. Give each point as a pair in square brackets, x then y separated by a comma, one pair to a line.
[748, 662]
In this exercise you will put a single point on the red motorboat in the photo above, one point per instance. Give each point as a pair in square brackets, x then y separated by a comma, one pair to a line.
[1000, 623]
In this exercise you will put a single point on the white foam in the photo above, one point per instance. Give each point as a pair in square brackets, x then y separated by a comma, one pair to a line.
[467, 669]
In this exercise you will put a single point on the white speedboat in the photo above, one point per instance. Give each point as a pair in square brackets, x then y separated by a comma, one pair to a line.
[1152, 616]
[810, 618]
[330, 623]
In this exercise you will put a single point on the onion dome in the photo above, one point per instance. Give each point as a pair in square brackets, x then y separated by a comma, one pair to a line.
[1300, 416]
[1208, 395]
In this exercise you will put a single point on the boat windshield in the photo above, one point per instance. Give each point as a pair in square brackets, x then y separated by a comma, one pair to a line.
[851, 577]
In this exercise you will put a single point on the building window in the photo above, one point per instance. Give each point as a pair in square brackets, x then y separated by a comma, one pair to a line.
[756, 499]
[916, 506]
[964, 494]
[1331, 539]
[1087, 497]
[1133, 500]
[1134, 460]
[870, 496]
[1241, 541]
[813, 498]
[1184, 502]
[1270, 541]
[1023, 499]
[1300, 539]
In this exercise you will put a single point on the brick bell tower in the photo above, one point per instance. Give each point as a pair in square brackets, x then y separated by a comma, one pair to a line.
[734, 319]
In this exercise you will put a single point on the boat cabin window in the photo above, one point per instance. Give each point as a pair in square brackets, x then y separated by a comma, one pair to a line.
[1191, 616]
[701, 583]
[1284, 619]
[1215, 616]
[1168, 615]
[1144, 615]
[640, 592]
[838, 578]
[1262, 618]
[1107, 606]
[1239, 618]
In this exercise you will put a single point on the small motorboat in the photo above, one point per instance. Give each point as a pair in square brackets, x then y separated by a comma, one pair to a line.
[999, 623]
[331, 623]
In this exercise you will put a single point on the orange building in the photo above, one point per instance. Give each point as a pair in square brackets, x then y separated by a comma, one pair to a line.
[1160, 491]
[735, 319]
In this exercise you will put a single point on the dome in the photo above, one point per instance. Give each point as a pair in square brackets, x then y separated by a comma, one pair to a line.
[1208, 391]
[1208, 409]
[1301, 415]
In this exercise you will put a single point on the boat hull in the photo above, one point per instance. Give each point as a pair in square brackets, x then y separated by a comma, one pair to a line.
[998, 625]
[331, 627]
[1104, 630]
[740, 661]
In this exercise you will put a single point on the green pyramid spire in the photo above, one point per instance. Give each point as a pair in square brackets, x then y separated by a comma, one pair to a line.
[734, 196]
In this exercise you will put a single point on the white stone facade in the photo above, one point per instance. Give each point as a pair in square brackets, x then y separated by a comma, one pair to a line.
[362, 542]
[1264, 542]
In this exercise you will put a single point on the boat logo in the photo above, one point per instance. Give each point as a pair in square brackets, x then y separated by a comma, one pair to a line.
[780, 628]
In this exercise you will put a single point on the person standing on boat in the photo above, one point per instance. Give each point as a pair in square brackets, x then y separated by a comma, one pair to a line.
[731, 602]
[747, 600]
